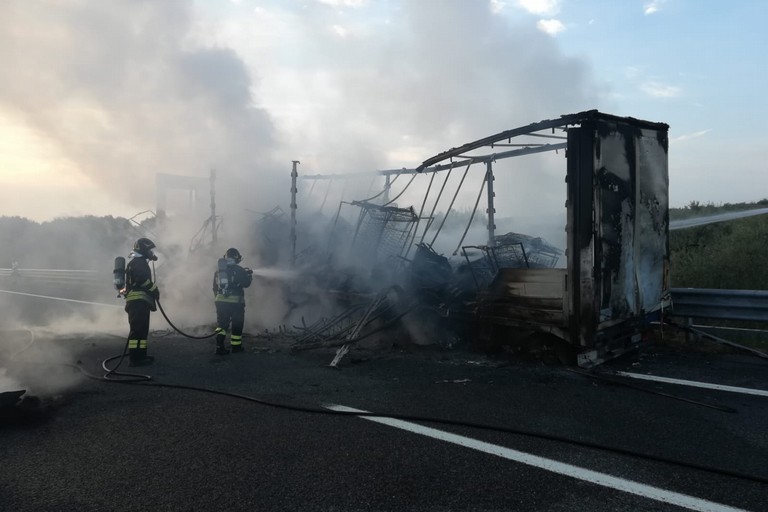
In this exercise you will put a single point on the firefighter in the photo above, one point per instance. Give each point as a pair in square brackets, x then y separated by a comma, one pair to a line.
[228, 283]
[141, 295]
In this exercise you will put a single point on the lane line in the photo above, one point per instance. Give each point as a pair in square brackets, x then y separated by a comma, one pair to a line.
[587, 475]
[695, 384]
[63, 299]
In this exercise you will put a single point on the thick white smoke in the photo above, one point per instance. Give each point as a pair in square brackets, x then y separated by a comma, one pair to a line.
[129, 88]
[391, 84]
[132, 88]
[123, 92]
[387, 85]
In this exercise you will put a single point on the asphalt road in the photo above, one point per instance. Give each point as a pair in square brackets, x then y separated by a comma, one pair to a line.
[110, 446]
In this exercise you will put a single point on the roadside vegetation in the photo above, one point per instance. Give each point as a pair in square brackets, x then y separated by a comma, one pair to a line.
[729, 255]
[726, 255]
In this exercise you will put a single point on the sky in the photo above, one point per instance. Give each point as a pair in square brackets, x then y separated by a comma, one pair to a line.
[97, 97]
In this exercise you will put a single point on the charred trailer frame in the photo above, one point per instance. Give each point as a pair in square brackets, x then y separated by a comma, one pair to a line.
[617, 235]
[617, 227]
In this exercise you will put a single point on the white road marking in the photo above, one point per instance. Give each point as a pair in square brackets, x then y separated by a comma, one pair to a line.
[695, 384]
[587, 475]
[63, 299]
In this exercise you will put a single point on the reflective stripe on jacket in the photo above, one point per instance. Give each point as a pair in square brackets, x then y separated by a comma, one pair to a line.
[233, 299]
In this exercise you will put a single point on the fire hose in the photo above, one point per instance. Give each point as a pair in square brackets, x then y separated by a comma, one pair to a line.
[139, 377]
[160, 307]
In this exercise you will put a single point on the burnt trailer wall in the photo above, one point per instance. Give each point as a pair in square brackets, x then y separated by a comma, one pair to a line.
[617, 231]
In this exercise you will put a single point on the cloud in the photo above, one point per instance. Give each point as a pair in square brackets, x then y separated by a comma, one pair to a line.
[354, 4]
[540, 7]
[689, 136]
[497, 6]
[339, 30]
[631, 72]
[411, 76]
[551, 27]
[653, 6]
[660, 90]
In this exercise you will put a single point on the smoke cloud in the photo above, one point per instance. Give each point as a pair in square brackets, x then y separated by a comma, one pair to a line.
[123, 92]
[382, 86]
[129, 88]
[132, 88]
[379, 86]
[31, 361]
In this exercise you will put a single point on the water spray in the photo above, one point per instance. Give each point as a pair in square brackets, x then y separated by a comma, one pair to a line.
[275, 273]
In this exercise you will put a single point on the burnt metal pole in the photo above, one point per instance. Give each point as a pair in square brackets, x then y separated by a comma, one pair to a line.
[491, 209]
[213, 207]
[294, 191]
[387, 184]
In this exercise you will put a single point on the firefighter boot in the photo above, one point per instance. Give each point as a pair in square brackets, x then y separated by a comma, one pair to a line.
[139, 357]
[220, 349]
[236, 342]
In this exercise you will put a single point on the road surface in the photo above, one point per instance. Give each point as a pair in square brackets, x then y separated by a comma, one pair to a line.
[143, 447]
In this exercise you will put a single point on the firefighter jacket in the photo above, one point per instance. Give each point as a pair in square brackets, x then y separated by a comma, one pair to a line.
[238, 279]
[138, 281]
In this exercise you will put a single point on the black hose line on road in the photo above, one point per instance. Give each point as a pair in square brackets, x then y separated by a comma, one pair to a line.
[457, 423]
[160, 307]
[112, 375]
[121, 376]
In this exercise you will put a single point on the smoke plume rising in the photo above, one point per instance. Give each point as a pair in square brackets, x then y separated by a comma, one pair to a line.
[123, 92]
[126, 89]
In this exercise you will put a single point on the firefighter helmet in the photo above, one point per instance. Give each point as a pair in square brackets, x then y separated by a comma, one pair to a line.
[233, 254]
[144, 247]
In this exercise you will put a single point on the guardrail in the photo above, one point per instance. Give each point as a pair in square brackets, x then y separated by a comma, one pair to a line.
[747, 305]
[67, 285]
[38, 279]
[51, 273]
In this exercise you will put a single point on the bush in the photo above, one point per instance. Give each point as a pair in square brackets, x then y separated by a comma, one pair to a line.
[727, 255]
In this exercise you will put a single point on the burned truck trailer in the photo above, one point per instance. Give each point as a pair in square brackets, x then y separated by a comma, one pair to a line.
[593, 290]
[616, 276]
